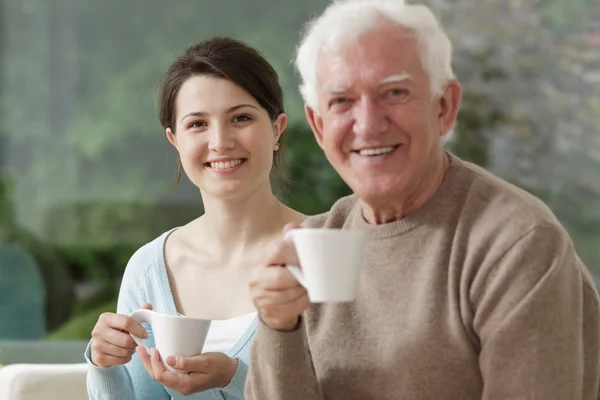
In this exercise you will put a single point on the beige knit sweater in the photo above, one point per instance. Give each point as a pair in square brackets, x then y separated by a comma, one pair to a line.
[477, 295]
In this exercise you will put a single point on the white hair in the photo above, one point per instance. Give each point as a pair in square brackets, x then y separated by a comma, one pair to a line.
[346, 20]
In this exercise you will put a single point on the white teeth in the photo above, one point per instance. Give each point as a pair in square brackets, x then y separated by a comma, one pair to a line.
[377, 151]
[225, 164]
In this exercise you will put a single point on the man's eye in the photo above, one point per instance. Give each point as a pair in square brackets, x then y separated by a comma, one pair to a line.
[398, 92]
[339, 103]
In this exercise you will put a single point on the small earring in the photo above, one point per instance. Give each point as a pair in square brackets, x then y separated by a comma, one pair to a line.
[276, 146]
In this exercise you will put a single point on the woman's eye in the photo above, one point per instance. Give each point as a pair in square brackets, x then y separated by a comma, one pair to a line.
[197, 124]
[241, 118]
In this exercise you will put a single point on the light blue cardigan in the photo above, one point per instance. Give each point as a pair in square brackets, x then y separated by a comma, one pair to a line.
[145, 281]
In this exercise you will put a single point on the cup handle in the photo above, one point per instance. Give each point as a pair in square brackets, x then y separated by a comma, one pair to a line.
[297, 273]
[294, 269]
[142, 315]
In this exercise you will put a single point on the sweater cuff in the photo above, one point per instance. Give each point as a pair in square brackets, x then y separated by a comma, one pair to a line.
[236, 386]
[289, 346]
[88, 355]
[104, 382]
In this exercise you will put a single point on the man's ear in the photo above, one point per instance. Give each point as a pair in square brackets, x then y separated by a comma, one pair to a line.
[449, 106]
[316, 123]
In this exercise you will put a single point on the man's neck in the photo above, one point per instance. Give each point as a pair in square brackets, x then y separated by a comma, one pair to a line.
[398, 207]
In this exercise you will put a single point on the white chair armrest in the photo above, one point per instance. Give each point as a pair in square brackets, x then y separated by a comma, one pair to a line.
[43, 381]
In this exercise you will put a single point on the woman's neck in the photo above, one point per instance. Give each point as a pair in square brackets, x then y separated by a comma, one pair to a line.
[243, 223]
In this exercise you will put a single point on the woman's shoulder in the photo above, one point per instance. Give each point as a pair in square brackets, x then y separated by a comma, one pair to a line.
[148, 256]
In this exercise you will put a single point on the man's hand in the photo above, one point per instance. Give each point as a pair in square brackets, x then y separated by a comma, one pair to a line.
[277, 295]
[203, 372]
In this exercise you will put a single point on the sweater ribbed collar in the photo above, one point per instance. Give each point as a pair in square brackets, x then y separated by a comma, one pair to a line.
[429, 213]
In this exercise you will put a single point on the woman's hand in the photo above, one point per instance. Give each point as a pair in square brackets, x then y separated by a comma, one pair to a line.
[112, 343]
[203, 372]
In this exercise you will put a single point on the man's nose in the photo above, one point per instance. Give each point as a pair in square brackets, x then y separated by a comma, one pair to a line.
[369, 118]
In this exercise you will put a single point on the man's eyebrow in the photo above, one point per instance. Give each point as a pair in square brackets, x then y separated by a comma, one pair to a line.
[335, 90]
[403, 77]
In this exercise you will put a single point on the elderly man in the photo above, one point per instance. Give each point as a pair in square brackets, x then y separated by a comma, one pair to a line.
[470, 289]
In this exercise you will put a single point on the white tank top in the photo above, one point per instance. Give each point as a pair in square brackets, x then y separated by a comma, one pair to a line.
[225, 333]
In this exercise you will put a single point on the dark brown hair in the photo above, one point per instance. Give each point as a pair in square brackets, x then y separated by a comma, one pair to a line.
[227, 58]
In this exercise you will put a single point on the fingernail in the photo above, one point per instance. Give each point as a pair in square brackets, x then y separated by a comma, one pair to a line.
[172, 361]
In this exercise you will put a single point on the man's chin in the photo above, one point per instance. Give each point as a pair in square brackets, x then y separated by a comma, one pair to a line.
[377, 190]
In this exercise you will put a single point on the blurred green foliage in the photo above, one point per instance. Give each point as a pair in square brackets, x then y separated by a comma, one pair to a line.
[80, 326]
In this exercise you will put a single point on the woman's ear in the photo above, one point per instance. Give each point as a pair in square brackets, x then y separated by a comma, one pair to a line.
[171, 137]
[279, 126]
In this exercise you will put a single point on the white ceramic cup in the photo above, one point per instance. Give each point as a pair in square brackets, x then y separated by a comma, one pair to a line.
[331, 260]
[173, 335]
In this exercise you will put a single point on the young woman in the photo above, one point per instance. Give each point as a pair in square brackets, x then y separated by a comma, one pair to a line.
[222, 108]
